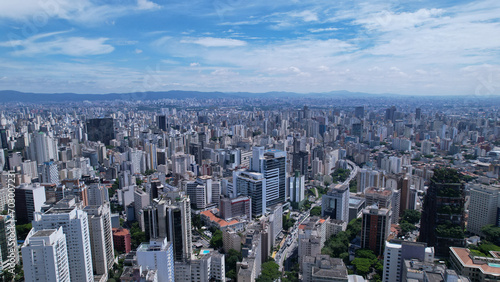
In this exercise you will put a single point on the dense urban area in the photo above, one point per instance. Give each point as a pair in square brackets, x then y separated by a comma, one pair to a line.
[344, 188]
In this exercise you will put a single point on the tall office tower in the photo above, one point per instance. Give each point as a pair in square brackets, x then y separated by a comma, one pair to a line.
[172, 220]
[442, 223]
[42, 148]
[418, 113]
[50, 173]
[97, 194]
[29, 199]
[483, 207]
[397, 251]
[8, 230]
[45, 256]
[300, 162]
[159, 255]
[204, 191]
[376, 227]
[75, 226]
[357, 130]
[271, 163]
[141, 200]
[239, 206]
[297, 190]
[253, 185]
[426, 147]
[359, 112]
[335, 203]
[101, 238]
[389, 113]
[162, 122]
[101, 129]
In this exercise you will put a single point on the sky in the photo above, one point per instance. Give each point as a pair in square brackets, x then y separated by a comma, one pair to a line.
[413, 47]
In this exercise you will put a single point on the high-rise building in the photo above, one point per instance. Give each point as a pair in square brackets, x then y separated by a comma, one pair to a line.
[204, 192]
[335, 203]
[101, 238]
[50, 173]
[43, 148]
[172, 220]
[369, 178]
[97, 194]
[483, 207]
[271, 163]
[359, 112]
[297, 190]
[379, 196]
[29, 199]
[75, 226]
[101, 129]
[418, 113]
[253, 185]
[426, 147]
[45, 256]
[157, 254]
[376, 226]
[442, 223]
[162, 122]
[397, 251]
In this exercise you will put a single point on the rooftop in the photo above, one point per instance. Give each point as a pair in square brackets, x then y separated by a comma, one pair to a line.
[481, 263]
[44, 233]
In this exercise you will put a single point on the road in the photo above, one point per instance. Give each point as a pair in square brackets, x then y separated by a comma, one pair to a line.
[291, 243]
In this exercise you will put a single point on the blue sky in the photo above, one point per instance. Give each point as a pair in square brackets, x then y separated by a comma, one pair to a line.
[404, 47]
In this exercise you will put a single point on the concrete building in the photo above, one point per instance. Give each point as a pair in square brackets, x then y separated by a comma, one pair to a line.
[272, 164]
[231, 240]
[240, 206]
[158, 254]
[297, 190]
[29, 199]
[323, 268]
[50, 173]
[45, 256]
[76, 228]
[397, 251]
[335, 203]
[122, 240]
[376, 227]
[477, 268]
[101, 238]
[483, 207]
[253, 185]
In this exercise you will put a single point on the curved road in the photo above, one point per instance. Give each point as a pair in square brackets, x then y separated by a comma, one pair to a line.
[284, 252]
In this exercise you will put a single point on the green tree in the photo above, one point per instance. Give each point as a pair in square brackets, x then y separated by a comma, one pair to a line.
[23, 230]
[197, 221]
[316, 211]
[137, 235]
[492, 233]
[216, 241]
[269, 272]
[407, 227]
[362, 266]
[411, 216]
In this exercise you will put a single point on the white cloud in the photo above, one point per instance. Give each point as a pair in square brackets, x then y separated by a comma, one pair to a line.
[37, 12]
[52, 43]
[215, 42]
[194, 64]
[147, 5]
[138, 51]
[317, 30]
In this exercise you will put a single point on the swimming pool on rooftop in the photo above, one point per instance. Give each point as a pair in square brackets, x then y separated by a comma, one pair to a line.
[204, 252]
[494, 264]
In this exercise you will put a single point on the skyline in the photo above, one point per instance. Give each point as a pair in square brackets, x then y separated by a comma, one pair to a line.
[415, 48]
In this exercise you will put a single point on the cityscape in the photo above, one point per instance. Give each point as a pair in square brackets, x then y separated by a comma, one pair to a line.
[249, 141]
[251, 189]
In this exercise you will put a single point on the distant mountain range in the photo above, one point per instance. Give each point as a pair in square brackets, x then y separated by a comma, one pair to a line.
[16, 96]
